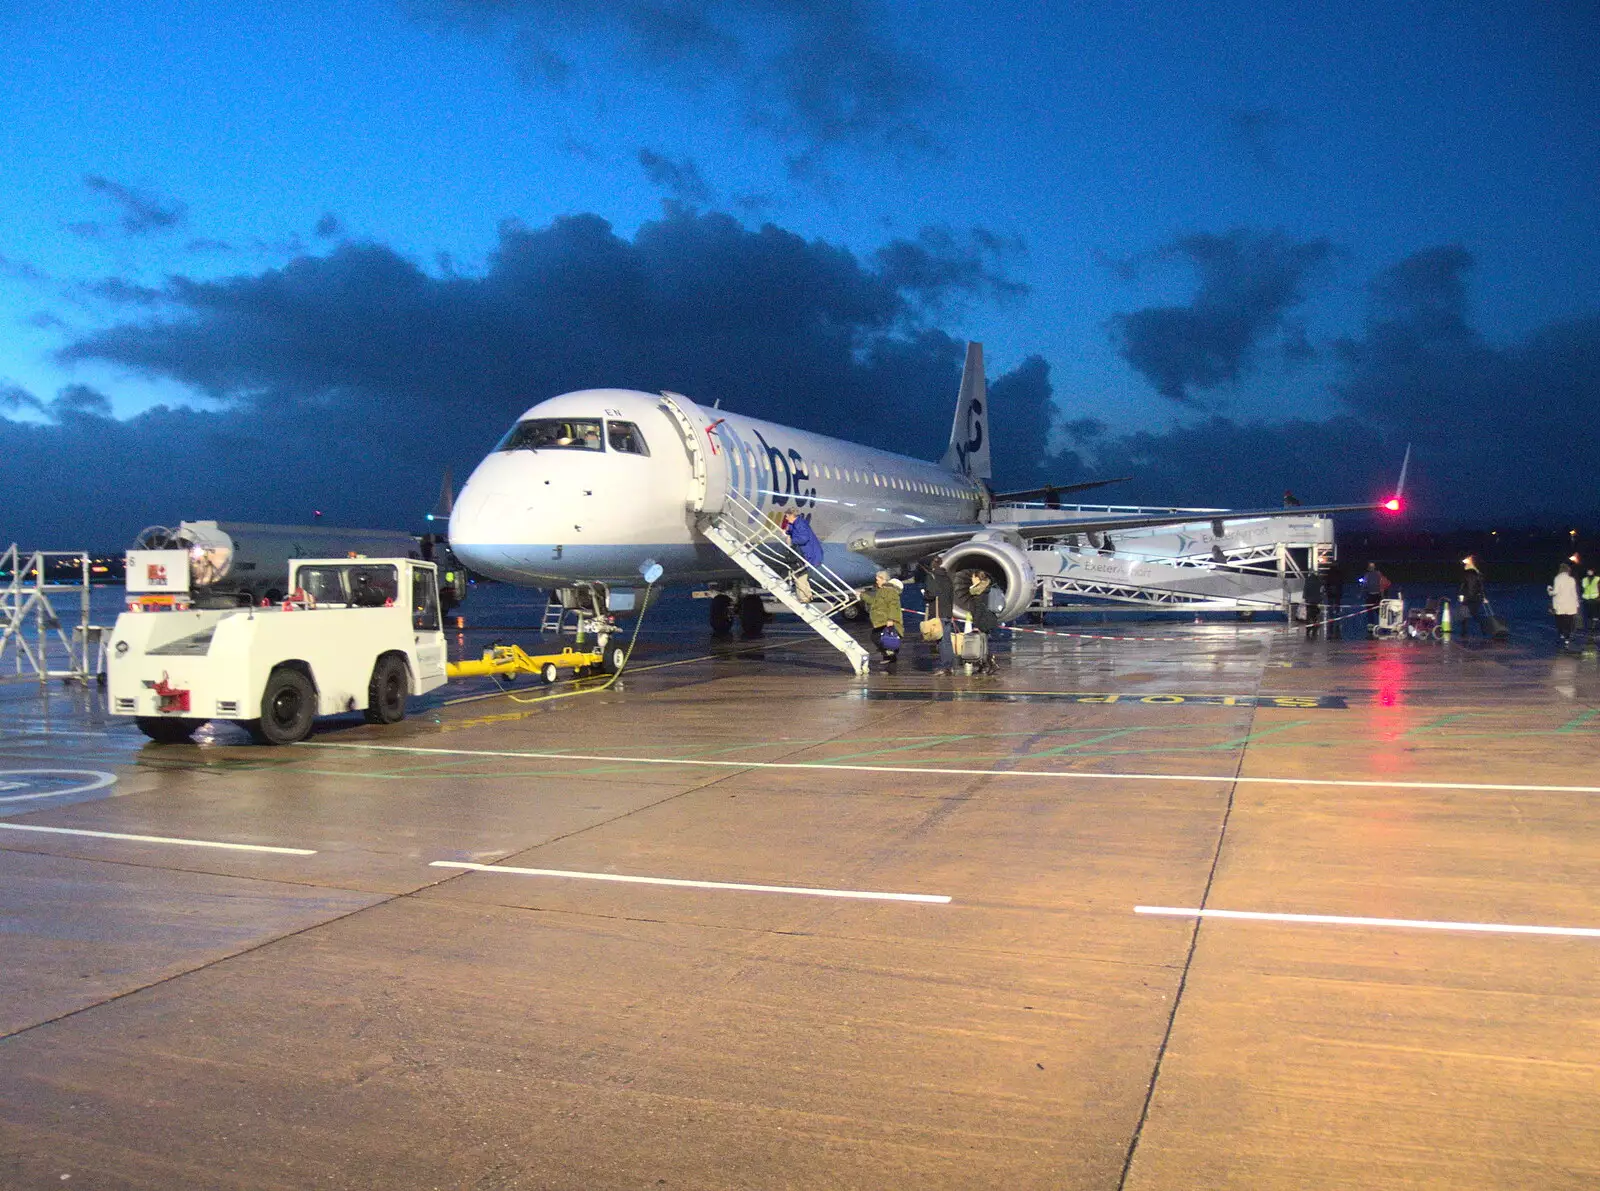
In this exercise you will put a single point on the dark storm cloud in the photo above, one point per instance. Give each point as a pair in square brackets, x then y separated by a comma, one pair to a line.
[81, 399]
[1248, 283]
[680, 179]
[1499, 433]
[1518, 424]
[141, 212]
[328, 226]
[823, 73]
[122, 292]
[17, 399]
[1223, 463]
[940, 265]
[350, 380]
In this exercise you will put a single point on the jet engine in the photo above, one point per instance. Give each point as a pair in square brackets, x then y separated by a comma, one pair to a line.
[1006, 564]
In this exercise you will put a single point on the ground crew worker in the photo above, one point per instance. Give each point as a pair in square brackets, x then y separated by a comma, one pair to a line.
[1591, 601]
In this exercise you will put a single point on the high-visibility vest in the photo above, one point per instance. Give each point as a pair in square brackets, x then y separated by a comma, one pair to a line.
[1591, 587]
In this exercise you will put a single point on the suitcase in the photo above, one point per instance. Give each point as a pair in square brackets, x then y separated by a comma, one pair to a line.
[1498, 629]
[970, 647]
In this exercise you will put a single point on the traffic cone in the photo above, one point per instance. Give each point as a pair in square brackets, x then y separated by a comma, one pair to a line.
[1444, 618]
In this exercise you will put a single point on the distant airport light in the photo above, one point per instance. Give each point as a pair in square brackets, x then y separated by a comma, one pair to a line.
[1392, 504]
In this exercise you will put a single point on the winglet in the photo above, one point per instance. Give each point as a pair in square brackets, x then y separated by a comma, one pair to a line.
[968, 452]
[1396, 502]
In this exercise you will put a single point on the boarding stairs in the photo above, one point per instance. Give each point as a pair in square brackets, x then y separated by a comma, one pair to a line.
[554, 621]
[1242, 566]
[763, 551]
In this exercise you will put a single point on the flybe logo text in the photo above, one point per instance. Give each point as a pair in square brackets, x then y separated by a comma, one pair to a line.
[789, 475]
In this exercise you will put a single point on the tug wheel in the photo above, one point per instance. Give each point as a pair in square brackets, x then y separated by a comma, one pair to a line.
[387, 691]
[288, 705]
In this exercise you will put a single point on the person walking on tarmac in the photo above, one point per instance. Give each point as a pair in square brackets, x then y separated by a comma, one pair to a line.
[1333, 597]
[1373, 584]
[983, 618]
[1589, 589]
[1311, 594]
[939, 597]
[1564, 604]
[1472, 595]
[888, 621]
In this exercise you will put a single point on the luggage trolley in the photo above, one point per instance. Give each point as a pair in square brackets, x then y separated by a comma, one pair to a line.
[1391, 619]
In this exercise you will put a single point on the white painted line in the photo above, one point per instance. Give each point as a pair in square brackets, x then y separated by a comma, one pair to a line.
[1493, 928]
[98, 780]
[1059, 775]
[930, 898]
[160, 839]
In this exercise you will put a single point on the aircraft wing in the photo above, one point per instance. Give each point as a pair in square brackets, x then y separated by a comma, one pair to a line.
[932, 538]
[1059, 489]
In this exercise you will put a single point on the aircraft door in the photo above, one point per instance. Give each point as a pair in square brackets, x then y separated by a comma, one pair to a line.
[708, 459]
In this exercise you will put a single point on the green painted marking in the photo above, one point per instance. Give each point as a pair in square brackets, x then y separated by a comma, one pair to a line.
[1252, 736]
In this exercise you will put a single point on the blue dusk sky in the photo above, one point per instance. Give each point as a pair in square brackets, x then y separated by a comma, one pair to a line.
[257, 258]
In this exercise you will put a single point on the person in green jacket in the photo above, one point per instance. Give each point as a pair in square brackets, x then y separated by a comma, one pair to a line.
[883, 609]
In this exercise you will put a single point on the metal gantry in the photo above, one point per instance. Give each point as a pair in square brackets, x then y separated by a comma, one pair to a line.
[50, 651]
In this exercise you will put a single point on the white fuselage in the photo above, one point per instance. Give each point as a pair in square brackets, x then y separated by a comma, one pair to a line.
[548, 514]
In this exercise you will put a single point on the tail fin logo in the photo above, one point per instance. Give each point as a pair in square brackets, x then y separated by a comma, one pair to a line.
[968, 452]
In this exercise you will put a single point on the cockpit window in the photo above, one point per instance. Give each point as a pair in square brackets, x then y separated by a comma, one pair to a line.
[625, 437]
[553, 434]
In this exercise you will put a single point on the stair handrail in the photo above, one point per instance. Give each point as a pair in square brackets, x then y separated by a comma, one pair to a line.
[754, 531]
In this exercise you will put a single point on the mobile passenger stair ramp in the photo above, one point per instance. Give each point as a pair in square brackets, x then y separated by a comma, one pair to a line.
[1208, 565]
[738, 528]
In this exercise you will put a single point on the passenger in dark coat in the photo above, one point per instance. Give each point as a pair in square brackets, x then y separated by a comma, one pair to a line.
[1333, 597]
[939, 600]
[976, 585]
[1312, 595]
[1472, 595]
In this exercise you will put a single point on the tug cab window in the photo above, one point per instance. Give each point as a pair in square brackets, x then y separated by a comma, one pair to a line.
[424, 601]
[553, 434]
[373, 587]
[625, 438]
[325, 585]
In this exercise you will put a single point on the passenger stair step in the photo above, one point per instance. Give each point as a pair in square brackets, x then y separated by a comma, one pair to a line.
[743, 533]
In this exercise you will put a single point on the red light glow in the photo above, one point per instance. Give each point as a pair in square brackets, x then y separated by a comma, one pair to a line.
[1392, 504]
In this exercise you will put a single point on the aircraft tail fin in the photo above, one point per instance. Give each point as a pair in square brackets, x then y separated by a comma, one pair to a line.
[968, 452]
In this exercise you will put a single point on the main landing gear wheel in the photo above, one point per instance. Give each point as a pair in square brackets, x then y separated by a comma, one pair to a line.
[166, 729]
[550, 672]
[386, 693]
[288, 706]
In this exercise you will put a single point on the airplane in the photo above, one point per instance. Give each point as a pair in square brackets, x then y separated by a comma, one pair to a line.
[601, 486]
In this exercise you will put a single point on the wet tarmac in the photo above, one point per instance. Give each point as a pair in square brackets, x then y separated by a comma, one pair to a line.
[1163, 905]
